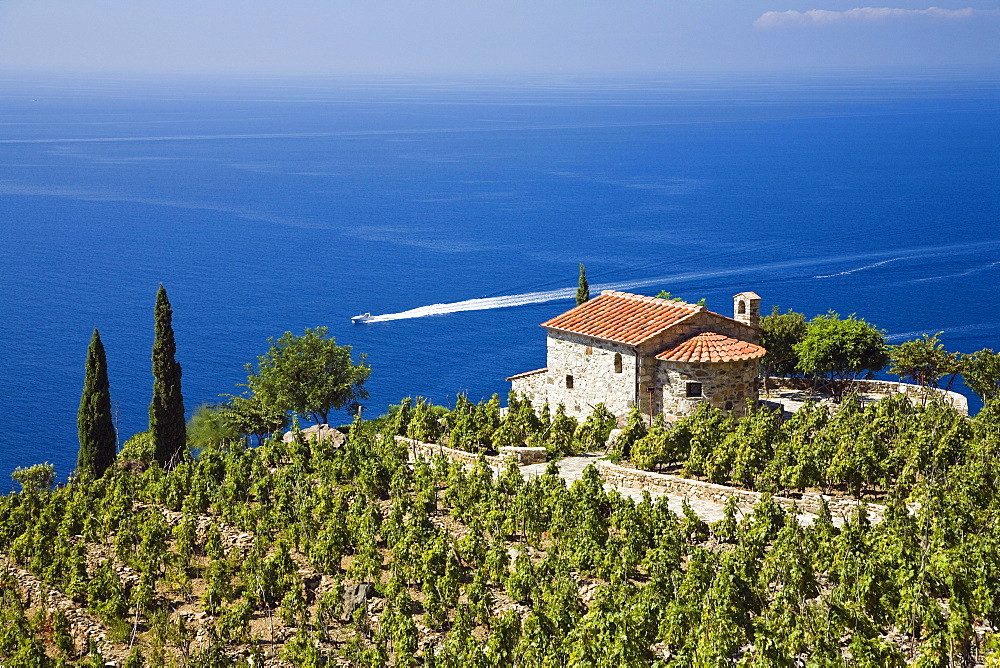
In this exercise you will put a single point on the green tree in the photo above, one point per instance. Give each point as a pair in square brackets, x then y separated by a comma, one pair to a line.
[924, 361]
[665, 294]
[779, 334]
[139, 448]
[981, 372]
[841, 349]
[583, 291]
[309, 374]
[166, 411]
[250, 416]
[96, 427]
[37, 478]
[211, 427]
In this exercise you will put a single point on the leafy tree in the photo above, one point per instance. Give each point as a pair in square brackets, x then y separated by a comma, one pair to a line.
[924, 361]
[841, 349]
[166, 411]
[98, 440]
[981, 372]
[211, 427]
[309, 374]
[665, 294]
[249, 416]
[583, 290]
[779, 334]
[37, 478]
[140, 447]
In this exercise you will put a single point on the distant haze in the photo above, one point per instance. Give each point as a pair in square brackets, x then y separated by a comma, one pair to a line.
[470, 37]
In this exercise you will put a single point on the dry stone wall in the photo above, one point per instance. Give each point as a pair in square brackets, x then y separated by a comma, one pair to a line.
[522, 456]
[662, 483]
[883, 387]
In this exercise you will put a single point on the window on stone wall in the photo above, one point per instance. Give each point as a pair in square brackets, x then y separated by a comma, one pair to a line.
[569, 382]
[741, 307]
[693, 390]
[618, 362]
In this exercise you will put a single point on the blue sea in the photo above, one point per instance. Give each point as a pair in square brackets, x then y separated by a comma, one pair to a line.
[273, 205]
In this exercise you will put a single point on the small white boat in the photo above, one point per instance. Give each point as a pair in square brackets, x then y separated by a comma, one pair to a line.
[364, 317]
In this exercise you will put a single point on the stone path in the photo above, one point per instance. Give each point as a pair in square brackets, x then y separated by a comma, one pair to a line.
[571, 468]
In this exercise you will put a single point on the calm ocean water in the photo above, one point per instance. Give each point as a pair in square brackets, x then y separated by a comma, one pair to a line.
[273, 205]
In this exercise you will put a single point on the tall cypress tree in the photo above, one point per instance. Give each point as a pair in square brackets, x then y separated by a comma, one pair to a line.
[166, 412]
[96, 427]
[583, 291]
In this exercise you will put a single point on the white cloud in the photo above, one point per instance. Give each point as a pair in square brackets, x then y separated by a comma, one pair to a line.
[866, 15]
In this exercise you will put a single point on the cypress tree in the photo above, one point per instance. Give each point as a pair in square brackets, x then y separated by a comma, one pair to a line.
[166, 411]
[583, 291]
[96, 427]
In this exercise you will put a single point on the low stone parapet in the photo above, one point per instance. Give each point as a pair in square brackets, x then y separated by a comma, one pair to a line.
[664, 483]
[882, 387]
[521, 455]
[525, 456]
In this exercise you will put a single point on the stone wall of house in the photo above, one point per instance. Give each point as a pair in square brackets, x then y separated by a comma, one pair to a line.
[915, 392]
[662, 483]
[725, 385]
[596, 376]
[531, 384]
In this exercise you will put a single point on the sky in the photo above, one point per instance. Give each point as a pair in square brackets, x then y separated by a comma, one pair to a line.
[497, 37]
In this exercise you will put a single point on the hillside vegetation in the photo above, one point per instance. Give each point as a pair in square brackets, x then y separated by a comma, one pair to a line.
[253, 555]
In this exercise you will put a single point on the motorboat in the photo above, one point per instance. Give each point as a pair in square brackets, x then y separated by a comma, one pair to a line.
[364, 317]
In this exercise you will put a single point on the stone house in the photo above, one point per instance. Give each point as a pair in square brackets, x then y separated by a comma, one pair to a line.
[621, 349]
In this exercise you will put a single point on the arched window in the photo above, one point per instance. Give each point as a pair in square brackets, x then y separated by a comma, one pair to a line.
[741, 307]
[618, 362]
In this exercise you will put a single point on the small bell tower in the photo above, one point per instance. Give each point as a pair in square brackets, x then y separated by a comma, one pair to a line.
[746, 308]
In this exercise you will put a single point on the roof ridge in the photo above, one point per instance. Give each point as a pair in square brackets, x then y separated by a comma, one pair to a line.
[655, 300]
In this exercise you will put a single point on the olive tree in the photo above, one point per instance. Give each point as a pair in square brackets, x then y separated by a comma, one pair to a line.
[924, 361]
[309, 374]
[981, 372]
[779, 333]
[840, 350]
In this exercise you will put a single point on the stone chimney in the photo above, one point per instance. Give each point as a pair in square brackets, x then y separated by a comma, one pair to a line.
[746, 308]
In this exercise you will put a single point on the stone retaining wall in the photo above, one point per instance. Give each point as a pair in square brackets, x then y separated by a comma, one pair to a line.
[886, 387]
[521, 455]
[525, 456]
[662, 483]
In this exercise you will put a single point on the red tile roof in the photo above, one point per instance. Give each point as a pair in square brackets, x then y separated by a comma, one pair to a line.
[528, 373]
[622, 317]
[711, 347]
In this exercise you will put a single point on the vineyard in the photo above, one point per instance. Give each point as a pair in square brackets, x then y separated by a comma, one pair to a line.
[305, 553]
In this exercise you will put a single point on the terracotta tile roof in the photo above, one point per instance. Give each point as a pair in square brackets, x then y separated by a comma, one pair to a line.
[711, 347]
[622, 317]
[528, 373]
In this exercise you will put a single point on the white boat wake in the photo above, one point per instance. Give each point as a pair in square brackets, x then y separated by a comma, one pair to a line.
[504, 301]
[541, 297]
[479, 304]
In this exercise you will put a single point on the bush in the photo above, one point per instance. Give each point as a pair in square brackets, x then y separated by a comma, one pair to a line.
[37, 478]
